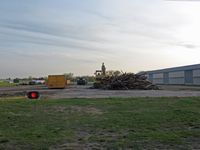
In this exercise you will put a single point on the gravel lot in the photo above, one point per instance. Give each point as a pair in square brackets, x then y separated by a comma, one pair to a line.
[75, 91]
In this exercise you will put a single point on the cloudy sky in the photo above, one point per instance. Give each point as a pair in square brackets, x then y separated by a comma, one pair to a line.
[41, 37]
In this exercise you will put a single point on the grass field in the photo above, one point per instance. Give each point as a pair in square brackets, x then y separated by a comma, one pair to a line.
[6, 84]
[134, 123]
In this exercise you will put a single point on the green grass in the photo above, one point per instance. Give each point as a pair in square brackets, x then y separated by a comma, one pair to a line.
[6, 84]
[134, 123]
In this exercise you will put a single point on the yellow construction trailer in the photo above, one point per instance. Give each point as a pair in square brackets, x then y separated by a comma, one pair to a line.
[57, 82]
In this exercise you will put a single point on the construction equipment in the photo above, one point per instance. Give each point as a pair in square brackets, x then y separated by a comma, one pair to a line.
[56, 82]
[99, 74]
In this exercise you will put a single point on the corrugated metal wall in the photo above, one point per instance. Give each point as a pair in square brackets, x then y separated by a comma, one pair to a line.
[158, 78]
[196, 77]
[166, 78]
[176, 77]
[189, 77]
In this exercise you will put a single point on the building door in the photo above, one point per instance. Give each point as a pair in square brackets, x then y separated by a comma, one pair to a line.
[188, 77]
[166, 78]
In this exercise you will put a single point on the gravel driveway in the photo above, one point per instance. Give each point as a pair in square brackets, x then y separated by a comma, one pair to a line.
[75, 91]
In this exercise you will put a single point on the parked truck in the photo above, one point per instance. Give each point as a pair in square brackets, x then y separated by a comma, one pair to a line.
[81, 81]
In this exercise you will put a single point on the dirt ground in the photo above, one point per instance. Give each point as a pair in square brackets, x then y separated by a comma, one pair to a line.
[74, 91]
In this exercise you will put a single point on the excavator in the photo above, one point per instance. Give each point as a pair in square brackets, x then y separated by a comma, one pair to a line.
[99, 74]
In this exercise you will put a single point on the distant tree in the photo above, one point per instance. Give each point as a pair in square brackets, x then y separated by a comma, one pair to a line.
[30, 78]
[89, 78]
[117, 73]
[113, 72]
[141, 73]
[8, 79]
[69, 76]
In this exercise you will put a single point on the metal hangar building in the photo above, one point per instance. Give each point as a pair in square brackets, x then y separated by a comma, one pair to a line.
[185, 75]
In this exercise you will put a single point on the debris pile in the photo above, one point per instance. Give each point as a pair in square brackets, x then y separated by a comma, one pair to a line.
[126, 81]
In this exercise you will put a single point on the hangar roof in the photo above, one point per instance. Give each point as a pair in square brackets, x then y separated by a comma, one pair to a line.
[181, 68]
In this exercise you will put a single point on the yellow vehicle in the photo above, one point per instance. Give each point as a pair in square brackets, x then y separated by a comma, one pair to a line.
[56, 81]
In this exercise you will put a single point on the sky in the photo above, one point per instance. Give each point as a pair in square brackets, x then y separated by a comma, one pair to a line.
[42, 37]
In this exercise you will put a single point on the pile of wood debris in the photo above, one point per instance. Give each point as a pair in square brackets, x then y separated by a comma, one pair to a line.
[125, 81]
